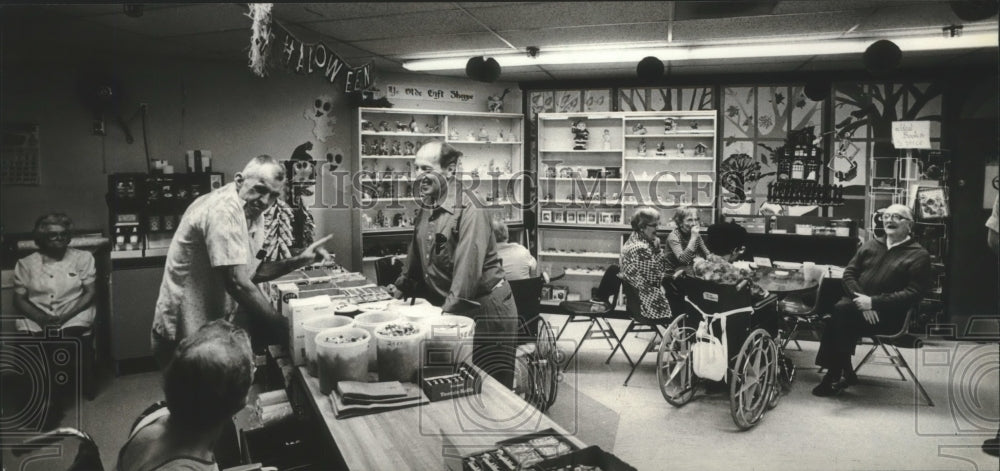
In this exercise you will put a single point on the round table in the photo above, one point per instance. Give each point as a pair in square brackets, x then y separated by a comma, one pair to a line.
[783, 281]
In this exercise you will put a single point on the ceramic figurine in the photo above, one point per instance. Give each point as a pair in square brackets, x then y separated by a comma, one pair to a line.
[453, 135]
[680, 148]
[366, 221]
[580, 135]
[396, 150]
[642, 147]
[366, 125]
[694, 125]
[495, 102]
[699, 150]
[364, 148]
[500, 136]
[638, 129]
[472, 137]
[661, 149]
[414, 127]
[607, 139]
[483, 135]
[380, 219]
[668, 124]
[409, 148]
[384, 126]
[401, 127]
[383, 148]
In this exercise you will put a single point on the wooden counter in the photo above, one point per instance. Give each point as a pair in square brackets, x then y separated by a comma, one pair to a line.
[412, 438]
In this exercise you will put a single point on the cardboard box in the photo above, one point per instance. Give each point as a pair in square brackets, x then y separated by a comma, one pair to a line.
[301, 310]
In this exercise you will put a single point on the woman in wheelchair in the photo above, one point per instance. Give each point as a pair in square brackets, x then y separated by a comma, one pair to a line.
[644, 264]
[886, 277]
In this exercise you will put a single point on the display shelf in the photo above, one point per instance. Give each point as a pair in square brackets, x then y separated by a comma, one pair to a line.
[611, 255]
[490, 141]
[400, 133]
[615, 130]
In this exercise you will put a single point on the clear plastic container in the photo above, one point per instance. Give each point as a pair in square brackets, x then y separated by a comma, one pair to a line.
[341, 356]
[416, 312]
[315, 326]
[399, 354]
[448, 342]
[370, 321]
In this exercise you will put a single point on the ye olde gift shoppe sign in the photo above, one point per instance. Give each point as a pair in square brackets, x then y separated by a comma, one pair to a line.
[435, 94]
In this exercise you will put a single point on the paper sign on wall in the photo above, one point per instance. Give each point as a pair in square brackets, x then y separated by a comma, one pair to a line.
[436, 94]
[911, 134]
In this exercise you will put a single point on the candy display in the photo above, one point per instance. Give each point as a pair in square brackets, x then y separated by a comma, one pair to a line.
[370, 321]
[399, 354]
[341, 356]
[313, 327]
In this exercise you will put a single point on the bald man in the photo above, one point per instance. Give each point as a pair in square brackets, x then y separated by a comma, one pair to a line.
[214, 258]
[886, 277]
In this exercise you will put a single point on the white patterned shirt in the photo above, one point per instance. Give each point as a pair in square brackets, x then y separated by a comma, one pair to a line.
[55, 287]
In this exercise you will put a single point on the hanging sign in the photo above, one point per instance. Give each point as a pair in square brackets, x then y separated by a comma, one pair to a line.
[429, 93]
[911, 134]
[306, 59]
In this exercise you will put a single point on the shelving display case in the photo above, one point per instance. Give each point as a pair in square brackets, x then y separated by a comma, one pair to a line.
[589, 188]
[491, 170]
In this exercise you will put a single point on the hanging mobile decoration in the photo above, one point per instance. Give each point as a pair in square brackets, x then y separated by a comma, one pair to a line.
[260, 38]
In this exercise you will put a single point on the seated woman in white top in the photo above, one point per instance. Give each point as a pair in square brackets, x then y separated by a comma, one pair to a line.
[518, 264]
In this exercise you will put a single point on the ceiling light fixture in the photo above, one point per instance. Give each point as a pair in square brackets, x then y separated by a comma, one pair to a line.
[623, 55]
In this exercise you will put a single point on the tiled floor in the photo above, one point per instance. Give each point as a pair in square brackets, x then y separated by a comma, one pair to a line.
[877, 425]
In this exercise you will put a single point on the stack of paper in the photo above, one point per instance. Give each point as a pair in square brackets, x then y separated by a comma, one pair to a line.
[354, 398]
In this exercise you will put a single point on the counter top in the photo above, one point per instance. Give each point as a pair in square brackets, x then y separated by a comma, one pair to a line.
[413, 438]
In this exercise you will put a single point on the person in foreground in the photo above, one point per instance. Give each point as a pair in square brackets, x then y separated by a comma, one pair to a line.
[992, 445]
[453, 261]
[885, 279]
[518, 264]
[214, 259]
[205, 385]
[644, 264]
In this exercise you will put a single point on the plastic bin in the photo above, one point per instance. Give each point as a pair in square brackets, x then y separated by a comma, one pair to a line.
[399, 356]
[314, 326]
[341, 361]
[370, 321]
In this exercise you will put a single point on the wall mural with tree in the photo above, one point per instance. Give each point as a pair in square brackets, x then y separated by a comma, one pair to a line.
[863, 114]
[755, 122]
[666, 99]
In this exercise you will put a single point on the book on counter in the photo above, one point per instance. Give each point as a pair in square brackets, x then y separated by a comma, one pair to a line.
[354, 398]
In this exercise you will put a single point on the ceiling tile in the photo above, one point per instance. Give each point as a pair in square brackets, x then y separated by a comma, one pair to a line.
[187, 19]
[812, 6]
[713, 9]
[556, 14]
[603, 35]
[399, 26]
[764, 26]
[438, 43]
[910, 16]
[306, 12]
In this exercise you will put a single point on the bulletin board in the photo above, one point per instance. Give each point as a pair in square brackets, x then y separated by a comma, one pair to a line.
[19, 157]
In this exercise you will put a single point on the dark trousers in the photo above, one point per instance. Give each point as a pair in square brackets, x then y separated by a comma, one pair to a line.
[494, 345]
[840, 337]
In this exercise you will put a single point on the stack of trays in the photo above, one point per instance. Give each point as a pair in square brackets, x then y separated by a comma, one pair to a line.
[464, 382]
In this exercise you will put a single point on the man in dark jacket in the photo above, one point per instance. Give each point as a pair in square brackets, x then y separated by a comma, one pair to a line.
[885, 279]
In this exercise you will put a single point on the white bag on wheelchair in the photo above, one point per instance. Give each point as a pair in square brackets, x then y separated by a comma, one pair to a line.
[709, 355]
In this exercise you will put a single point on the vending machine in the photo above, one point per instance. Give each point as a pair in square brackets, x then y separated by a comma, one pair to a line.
[144, 209]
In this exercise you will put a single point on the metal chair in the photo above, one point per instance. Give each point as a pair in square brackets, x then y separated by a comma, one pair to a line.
[50, 448]
[594, 311]
[528, 299]
[894, 358]
[638, 324]
[809, 312]
[387, 270]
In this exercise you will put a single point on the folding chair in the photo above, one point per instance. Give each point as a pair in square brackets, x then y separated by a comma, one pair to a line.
[809, 312]
[387, 270]
[38, 451]
[594, 311]
[894, 358]
[638, 324]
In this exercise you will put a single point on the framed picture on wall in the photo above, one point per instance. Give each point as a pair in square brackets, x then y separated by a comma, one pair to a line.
[932, 203]
[558, 217]
[591, 217]
[571, 217]
[581, 217]
[546, 215]
[605, 218]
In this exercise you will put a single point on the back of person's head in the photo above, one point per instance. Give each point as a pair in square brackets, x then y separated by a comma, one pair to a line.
[209, 378]
[500, 231]
[644, 216]
[725, 237]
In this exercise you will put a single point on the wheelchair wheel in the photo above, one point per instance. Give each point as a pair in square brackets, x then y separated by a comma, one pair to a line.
[674, 370]
[754, 379]
[543, 369]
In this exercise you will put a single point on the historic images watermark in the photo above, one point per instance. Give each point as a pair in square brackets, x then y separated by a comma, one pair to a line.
[395, 190]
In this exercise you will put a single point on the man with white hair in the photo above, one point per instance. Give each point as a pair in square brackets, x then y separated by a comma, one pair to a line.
[885, 279]
[214, 260]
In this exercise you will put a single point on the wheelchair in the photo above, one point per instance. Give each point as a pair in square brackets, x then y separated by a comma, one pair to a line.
[754, 364]
[542, 360]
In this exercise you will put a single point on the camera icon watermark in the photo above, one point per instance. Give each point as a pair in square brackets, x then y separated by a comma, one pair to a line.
[971, 372]
[41, 375]
[490, 409]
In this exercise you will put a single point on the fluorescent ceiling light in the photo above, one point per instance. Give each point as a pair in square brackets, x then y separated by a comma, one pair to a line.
[790, 47]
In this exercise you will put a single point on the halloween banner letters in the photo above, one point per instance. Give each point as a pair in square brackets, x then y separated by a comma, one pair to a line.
[306, 59]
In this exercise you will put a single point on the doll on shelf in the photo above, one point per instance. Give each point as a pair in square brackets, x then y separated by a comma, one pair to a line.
[606, 139]
[396, 150]
[680, 148]
[661, 149]
[668, 124]
[414, 127]
[409, 148]
[642, 147]
[580, 135]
